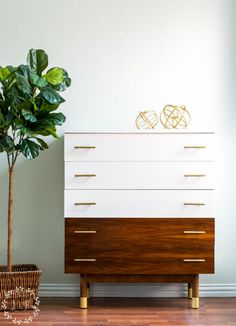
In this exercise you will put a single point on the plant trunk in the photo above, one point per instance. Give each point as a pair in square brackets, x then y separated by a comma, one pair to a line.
[10, 207]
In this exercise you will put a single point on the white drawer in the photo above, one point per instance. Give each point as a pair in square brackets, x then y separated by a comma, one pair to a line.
[139, 147]
[139, 175]
[139, 203]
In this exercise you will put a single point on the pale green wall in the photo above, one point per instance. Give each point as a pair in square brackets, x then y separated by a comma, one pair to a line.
[123, 56]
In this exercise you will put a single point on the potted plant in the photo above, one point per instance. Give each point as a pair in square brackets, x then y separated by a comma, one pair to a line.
[29, 100]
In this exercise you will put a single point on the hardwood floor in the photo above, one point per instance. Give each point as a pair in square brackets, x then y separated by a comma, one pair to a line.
[133, 312]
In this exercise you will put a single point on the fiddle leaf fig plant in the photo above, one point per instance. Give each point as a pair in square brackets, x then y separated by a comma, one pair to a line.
[29, 99]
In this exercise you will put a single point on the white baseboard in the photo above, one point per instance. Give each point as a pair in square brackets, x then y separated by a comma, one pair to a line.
[136, 290]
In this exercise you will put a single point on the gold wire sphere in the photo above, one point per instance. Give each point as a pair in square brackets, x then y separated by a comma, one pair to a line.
[175, 117]
[146, 120]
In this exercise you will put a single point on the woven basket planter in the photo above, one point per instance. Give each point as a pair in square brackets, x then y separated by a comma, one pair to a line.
[26, 276]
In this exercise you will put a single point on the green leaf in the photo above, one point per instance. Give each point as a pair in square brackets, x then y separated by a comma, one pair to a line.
[23, 84]
[51, 119]
[4, 72]
[49, 131]
[37, 81]
[52, 96]
[23, 70]
[11, 80]
[28, 115]
[15, 96]
[42, 143]
[9, 141]
[37, 60]
[2, 119]
[54, 76]
[57, 118]
[30, 149]
[6, 144]
[11, 68]
[10, 118]
[25, 105]
[64, 84]
[48, 107]
[2, 144]
[24, 131]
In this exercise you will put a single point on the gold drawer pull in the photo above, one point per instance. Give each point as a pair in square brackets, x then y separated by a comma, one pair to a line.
[86, 231]
[194, 147]
[84, 147]
[194, 204]
[194, 232]
[194, 175]
[194, 260]
[78, 175]
[84, 259]
[85, 204]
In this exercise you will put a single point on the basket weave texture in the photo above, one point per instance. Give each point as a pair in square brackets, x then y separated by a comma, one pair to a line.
[26, 276]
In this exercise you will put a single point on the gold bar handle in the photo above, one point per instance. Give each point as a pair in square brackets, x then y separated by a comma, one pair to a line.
[84, 147]
[86, 231]
[85, 204]
[194, 204]
[194, 232]
[194, 147]
[194, 175]
[194, 260]
[78, 175]
[84, 259]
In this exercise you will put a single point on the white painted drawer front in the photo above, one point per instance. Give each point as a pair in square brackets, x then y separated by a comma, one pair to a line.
[139, 175]
[139, 203]
[139, 147]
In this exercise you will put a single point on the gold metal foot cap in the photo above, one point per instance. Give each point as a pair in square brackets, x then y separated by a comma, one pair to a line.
[83, 302]
[190, 293]
[195, 303]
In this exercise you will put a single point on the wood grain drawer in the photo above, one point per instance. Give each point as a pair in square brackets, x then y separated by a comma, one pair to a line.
[139, 175]
[139, 245]
[139, 203]
[122, 265]
[139, 228]
[139, 147]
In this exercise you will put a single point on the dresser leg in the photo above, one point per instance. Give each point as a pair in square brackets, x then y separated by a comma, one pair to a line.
[195, 299]
[88, 290]
[83, 293]
[190, 291]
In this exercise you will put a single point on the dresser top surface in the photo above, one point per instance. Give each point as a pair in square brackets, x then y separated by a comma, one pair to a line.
[137, 132]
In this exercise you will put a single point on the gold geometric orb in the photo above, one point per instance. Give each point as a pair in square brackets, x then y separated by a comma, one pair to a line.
[175, 117]
[146, 120]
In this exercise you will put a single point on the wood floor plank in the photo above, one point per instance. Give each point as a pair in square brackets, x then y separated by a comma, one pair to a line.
[134, 312]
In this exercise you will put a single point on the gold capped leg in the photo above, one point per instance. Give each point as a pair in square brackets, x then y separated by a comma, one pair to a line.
[83, 302]
[195, 303]
[88, 292]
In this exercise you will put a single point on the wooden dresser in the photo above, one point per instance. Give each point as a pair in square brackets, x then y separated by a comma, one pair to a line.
[139, 207]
